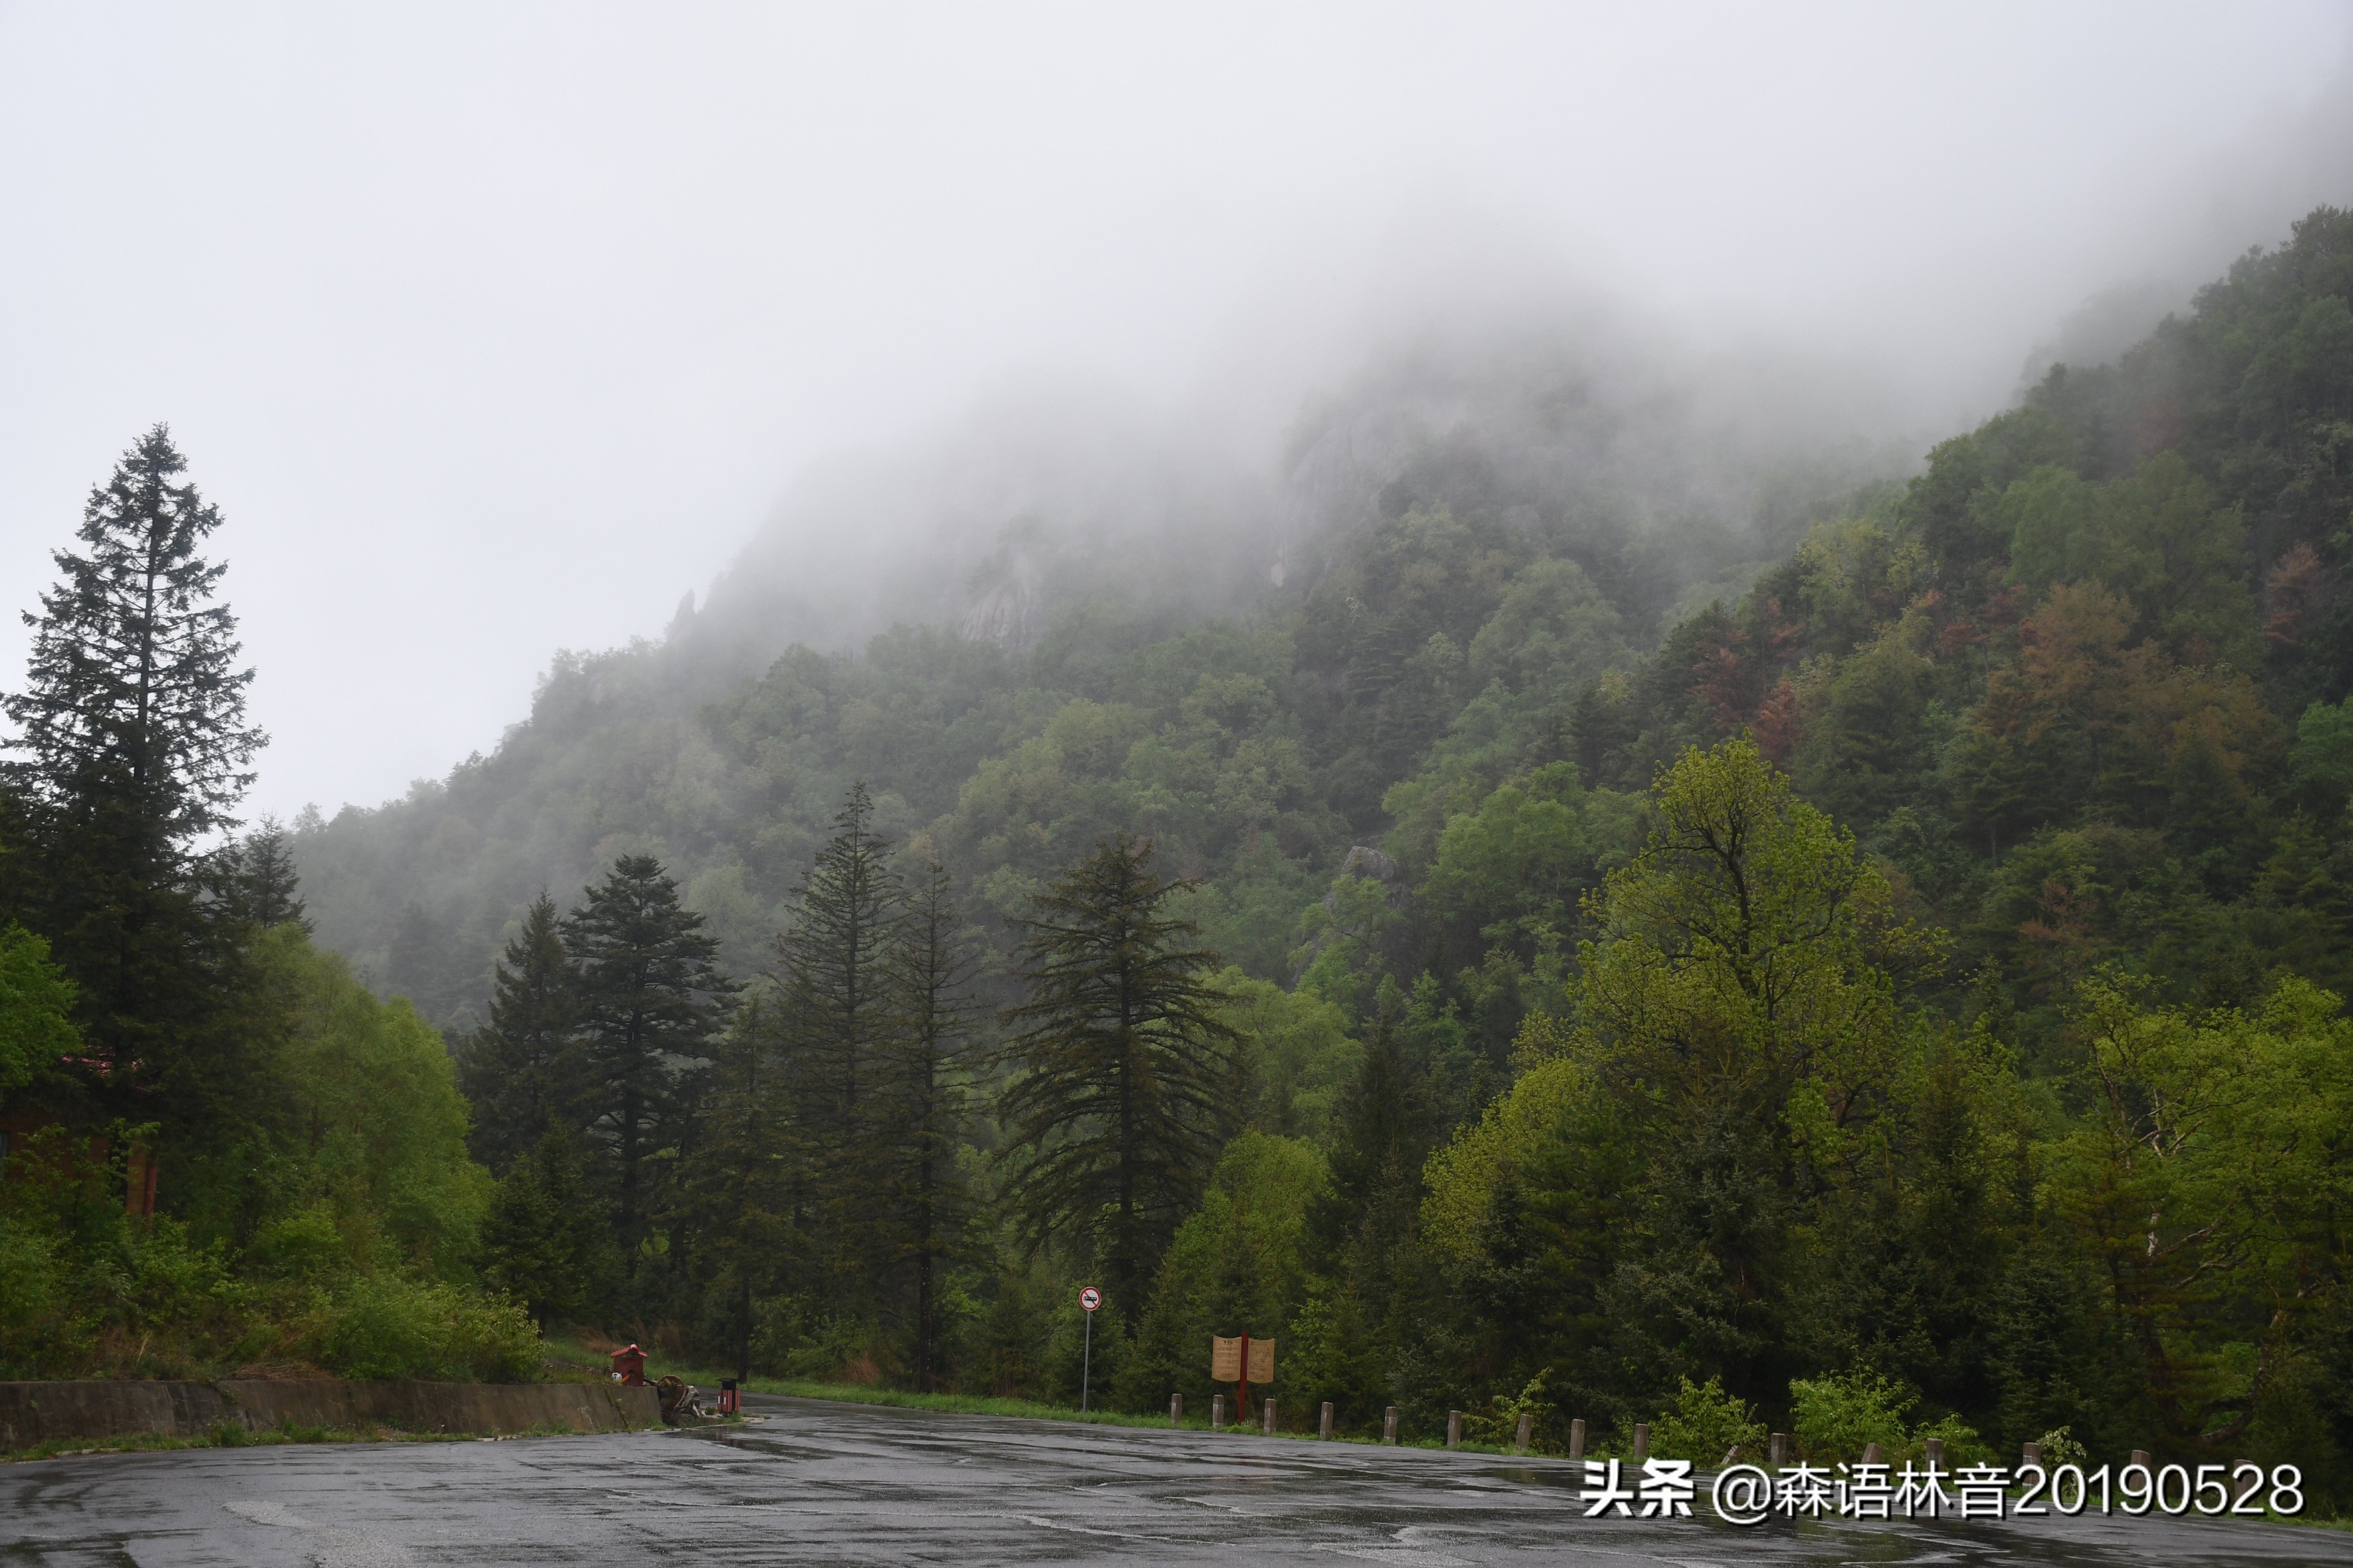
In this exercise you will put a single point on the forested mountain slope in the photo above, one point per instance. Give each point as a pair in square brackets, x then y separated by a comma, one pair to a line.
[1895, 995]
[2081, 683]
[1053, 582]
[1476, 552]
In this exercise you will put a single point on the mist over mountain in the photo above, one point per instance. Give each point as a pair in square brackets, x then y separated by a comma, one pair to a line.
[1043, 493]
[1591, 435]
[1672, 460]
[1037, 495]
[1618, 718]
[1662, 842]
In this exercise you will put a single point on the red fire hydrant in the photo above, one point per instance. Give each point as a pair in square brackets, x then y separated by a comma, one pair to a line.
[630, 1366]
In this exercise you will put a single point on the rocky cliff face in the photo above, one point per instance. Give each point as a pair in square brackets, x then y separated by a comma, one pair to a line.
[1009, 605]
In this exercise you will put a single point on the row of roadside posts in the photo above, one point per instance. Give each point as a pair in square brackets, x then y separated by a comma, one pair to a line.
[1242, 1360]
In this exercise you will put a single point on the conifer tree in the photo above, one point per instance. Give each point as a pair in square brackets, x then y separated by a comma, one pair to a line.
[840, 1009]
[544, 1240]
[735, 1194]
[256, 881]
[1127, 1082]
[1384, 1124]
[134, 745]
[651, 994]
[926, 1093]
[512, 1068]
[1382, 1130]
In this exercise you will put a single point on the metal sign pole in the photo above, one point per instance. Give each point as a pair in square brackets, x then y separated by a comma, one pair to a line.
[1089, 1299]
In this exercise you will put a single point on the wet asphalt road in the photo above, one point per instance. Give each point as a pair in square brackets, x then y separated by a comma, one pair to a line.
[818, 1483]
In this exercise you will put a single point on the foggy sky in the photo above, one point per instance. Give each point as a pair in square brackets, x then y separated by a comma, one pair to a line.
[495, 329]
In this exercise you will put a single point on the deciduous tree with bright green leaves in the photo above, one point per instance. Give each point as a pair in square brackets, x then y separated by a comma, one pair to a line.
[1747, 955]
[372, 1100]
[35, 1009]
[2211, 1180]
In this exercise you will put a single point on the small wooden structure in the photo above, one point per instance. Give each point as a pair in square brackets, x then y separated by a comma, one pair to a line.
[1241, 1360]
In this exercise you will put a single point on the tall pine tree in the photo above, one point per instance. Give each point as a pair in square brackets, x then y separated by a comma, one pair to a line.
[736, 1194]
[924, 1087]
[135, 746]
[1127, 1084]
[1384, 1124]
[512, 1068]
[651, 995]
[840, 1012]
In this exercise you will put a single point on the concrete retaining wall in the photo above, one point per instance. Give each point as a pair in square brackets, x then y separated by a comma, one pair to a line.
[59, 1412]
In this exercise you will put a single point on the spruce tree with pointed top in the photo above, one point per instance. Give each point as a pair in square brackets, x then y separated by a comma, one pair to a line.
[1125, 1083]
[133, 746]
[652, 998]
[839, 1014]
[923, 1094]
[256, 879]
[513, 1068]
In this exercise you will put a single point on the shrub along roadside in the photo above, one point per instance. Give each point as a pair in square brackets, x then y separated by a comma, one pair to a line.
[337, 1239]
[152, 1304]
[383, 1326]
[1705, 1424]
[1835, 1416]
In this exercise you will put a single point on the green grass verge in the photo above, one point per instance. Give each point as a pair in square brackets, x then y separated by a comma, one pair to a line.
[1025, 1409]
[956, 1403]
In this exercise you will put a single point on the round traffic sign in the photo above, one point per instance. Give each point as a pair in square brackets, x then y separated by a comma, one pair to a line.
[1090, 1298]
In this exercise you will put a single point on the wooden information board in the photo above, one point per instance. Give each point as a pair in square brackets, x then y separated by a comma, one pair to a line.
[1226, 1360]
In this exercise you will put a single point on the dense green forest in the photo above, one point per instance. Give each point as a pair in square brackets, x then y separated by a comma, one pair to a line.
[1535, 959]
[222, 1152]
